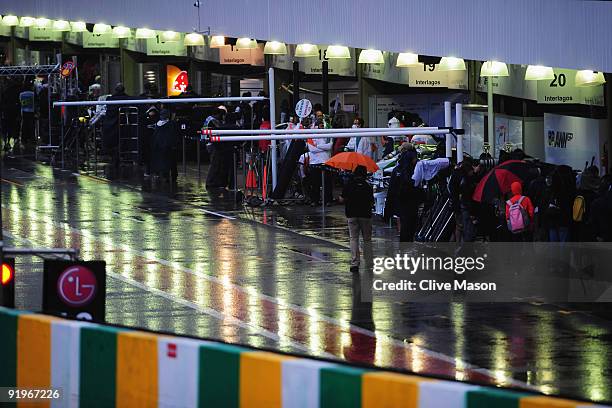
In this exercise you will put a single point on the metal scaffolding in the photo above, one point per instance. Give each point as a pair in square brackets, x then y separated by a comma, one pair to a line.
[29, 70]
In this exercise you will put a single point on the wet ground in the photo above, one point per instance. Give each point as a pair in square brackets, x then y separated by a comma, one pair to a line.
[181, 260]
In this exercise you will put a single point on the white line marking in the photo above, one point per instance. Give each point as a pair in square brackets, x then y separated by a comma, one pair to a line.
[333, 321]
[443, 357]
[202, 309]
[217, 214]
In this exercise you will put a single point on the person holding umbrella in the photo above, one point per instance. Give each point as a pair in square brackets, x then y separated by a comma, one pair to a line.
[358, 199]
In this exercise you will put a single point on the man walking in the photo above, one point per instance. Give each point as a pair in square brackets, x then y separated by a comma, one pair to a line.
[358, 199]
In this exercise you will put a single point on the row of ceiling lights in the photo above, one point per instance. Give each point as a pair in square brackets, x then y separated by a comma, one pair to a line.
[369, 56]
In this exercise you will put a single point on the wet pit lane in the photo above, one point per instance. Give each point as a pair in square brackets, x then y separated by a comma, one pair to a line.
[184, 261]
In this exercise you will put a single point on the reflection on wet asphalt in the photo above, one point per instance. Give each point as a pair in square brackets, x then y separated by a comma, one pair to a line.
[190, 263]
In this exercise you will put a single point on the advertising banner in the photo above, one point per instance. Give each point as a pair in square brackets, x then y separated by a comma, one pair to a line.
[230, 55]
[574, 141]
[508, 134]
[44, 34]
[563, 90]
[430, 76]
[177, 80]
[75, 289]
[155, 46]
[342, 67]
[91, 40]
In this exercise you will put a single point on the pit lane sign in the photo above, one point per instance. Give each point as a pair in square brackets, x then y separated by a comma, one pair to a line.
[303, 108]
[75, 289]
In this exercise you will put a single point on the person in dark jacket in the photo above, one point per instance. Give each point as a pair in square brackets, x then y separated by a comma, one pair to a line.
[587, 186]
[600, 214]
[221, 157]
[462, 186]
[358, 198]
[556, 208]
[110, 129]
[163, 147]
[403, 198]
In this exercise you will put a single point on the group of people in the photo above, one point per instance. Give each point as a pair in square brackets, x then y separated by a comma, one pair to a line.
[552, 204]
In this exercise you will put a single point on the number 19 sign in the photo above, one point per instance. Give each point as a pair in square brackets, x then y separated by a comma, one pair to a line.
[75, 289]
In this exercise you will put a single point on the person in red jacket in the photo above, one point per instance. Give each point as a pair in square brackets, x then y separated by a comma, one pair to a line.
[517, 193]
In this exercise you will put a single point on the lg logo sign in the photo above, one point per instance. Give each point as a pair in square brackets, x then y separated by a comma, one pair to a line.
[559, 139]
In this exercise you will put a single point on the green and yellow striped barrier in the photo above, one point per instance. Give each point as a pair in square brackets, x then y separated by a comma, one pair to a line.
[104, 366]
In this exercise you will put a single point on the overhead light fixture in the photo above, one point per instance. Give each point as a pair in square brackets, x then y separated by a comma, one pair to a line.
[61, 25]
[144, 33]
[407, 59]
[78, 26]
[494, 69]
[451, 64]
[101, 28]
[245, 43]
[538, 73]
[371, 57]
[306, 50]
[338, 52]
[10, 20]
[217, 41]
[121, 32]
[194, 40]
[42, 22]
[27, 21]
[275, 48]
[585, 78]
[170, 36]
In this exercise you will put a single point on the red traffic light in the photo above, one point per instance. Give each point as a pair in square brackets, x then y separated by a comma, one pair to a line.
[7, 273]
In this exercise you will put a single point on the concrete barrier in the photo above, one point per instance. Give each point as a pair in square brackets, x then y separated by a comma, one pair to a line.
[104, 366]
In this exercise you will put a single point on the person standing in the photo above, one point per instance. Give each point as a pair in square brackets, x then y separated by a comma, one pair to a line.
[557, 208]
[26, 99]
[163, 148]
[319, 150]
[358, 198]
[403, 198]
[519, 213]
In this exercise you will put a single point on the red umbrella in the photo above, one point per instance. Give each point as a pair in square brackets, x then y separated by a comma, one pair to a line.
[497, 181]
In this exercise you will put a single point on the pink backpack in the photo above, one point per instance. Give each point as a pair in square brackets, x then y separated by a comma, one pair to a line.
[518, 219]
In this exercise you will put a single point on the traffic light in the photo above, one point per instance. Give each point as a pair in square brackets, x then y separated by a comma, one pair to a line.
[7, 283]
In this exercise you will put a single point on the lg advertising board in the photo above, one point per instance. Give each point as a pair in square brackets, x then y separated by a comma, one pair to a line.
[75, 289]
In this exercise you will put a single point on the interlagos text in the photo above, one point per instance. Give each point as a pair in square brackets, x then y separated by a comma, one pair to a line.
[412, 264]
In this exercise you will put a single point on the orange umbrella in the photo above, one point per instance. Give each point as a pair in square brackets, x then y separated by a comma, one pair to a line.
[350, 160]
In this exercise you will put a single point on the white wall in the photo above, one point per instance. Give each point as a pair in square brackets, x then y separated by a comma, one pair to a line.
[581, 139]
[559, 33]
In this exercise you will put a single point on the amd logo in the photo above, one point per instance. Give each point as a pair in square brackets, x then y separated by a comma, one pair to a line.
[559, 139]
